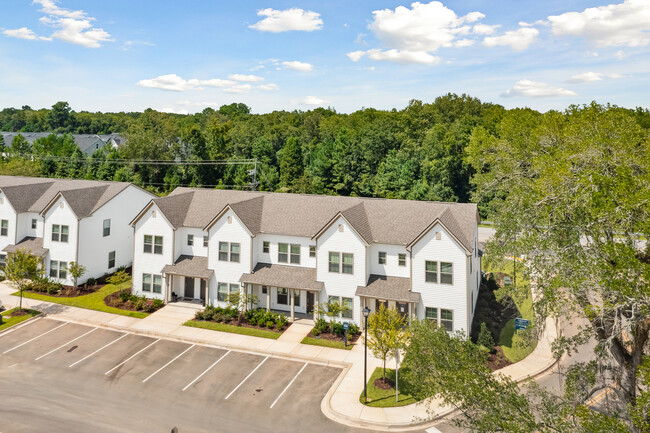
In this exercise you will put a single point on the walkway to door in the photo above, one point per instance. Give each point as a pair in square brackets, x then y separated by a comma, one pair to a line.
[168, 318]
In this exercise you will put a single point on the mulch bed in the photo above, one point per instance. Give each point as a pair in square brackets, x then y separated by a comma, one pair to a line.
[498, 360]
[381, 384]
[71, 292]
[114, 300]
[335, 337]
[245, 324]
[17, 312]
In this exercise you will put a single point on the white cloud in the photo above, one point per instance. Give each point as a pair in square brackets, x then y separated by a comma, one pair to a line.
[256, 68]
[623, 24]
[298, 66]
[198, 103]
[245, 78]
[238, 88]
[396, 56]
[24, 33]
[535, 89]
[314, 100]
[587, 77]
[518, 40]
[49, 7]
[620, 55]
[128, 44]
[484, 29]
[170, 109]
[269, 86]
[277, 21]
[177, 84]
[464, 43]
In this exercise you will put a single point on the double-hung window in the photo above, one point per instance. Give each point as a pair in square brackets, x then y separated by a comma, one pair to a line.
[283, 253]
[205, 241]
[190, 240]
[295, 254]
[234, 252]
[431, 272]
[34, 223]
[312, 251]
[229, 251]
[153, 244]
[348, 307]
[341, 262]
[223, 251]
[431, 314]
[107, 227]
[111, 259]
[58, 269]
[266, 247]
[382, 258]
[446, 273]
[334, 261]
[60, 233]
[157, 283]
[222, 292]
[348, 263]
[146, 282]
[447, 319]
[401, 259]
[4, 228]
[282, 296]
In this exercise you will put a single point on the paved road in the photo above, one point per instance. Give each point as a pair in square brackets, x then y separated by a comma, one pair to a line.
[60, 376]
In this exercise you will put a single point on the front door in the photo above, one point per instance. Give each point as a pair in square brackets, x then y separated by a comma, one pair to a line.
[310, 302]
[203, 290]
[379, 302]
[402, 308]
[189, 287]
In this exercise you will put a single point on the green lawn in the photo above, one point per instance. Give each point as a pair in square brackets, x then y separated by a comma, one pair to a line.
[6, 323]
[94, 301]
[214, 326]
[386, 397]
[515, 346]
[326, 343]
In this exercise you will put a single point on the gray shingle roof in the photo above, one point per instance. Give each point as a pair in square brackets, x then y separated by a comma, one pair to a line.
[388, 288]
[31, 244]
[291, 277]
[88, 143]
[189, 266]
[33, 194]
[396, 222]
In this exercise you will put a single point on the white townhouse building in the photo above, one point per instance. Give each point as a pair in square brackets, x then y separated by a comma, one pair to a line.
[69, 220]
[295, 251]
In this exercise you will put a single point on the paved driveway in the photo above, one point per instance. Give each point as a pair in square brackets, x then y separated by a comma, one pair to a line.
[61, 376]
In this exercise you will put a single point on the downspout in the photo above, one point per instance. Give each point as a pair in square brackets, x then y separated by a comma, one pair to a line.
[468, 307]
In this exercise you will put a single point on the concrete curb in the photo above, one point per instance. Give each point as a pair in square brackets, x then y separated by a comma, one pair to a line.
[21, 324]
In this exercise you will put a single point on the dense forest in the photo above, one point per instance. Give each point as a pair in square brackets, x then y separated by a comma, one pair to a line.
[419, 152]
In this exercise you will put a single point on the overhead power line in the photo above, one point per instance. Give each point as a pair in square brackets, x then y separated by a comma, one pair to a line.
[147, 161]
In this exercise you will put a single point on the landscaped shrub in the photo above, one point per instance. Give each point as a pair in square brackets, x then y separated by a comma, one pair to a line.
[125, 295]
[321, 325]
[91, 282]
[338, 328]
[118, 277]
[281, 322]
[158, 303]
[353, 329]
[315, 332]
[270, 324]
[139, 303]
[148, 307]
[485, 338]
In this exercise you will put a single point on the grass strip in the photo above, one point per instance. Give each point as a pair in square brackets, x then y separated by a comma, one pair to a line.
[93, 301]
[214, 326]
[326, 343]
[11, 321]
[378, 397]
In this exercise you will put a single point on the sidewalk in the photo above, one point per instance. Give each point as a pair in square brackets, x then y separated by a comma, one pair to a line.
[340, 404]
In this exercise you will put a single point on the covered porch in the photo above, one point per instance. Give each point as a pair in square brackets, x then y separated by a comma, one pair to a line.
[188, 279]
[392, 292]
[30, 244]
[291, 289]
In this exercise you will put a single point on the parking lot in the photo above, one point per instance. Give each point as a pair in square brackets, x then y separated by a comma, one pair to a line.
[105, 380]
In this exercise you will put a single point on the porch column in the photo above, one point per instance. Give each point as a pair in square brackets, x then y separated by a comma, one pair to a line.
[410, 314]
[293, 301]
[268, 298]
[316, 296]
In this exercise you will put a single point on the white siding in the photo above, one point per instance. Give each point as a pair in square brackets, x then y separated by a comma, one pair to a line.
[451, 297]
[181, 243]
[272, 257]
[61, 214]
[336, 284]
[95, 247]
[228, 272]
[8, 213]
[391, 268]
[152, 263]
[25, 226]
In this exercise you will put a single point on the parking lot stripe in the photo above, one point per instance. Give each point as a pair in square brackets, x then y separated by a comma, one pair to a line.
[17, 327]
[32, 339]
[63, 345]
[161, 368]
[132, 356]
[206, 370]
[96, 351]
[246, 378]
[287, 387]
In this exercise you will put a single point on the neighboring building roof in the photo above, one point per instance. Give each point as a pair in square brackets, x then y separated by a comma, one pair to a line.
[388, 221]
[189, 266]
[31, 244]
[291, 277]
[388, 288]
[34, 194]
[88, 143]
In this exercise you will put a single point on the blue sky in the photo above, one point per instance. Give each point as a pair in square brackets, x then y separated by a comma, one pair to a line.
[277, 55]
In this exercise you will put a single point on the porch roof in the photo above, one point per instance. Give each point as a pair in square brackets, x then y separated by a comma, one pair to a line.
[388, 288]
[291, 277]
[29, 243]
[189, 266]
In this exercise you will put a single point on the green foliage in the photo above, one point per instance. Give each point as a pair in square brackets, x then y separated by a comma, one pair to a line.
[76, 271]
[386, 333]
[485, 337]
[21, 267]
[332, 310]
[119, 277]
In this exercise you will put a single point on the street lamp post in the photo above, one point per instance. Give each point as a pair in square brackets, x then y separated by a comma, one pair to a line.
[366, 312]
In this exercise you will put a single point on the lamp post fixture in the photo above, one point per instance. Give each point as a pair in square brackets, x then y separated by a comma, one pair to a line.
[366, 312]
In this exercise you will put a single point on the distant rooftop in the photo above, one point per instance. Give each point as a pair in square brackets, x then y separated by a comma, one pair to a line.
[88, 143]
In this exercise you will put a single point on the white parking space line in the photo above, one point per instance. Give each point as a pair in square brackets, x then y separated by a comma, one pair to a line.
[63, 345]
[161, 368]
[206, 370]
[17, 327]
[287, 387]
[96, 351]
[132, 356]
[246, 378]
[32, 339]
